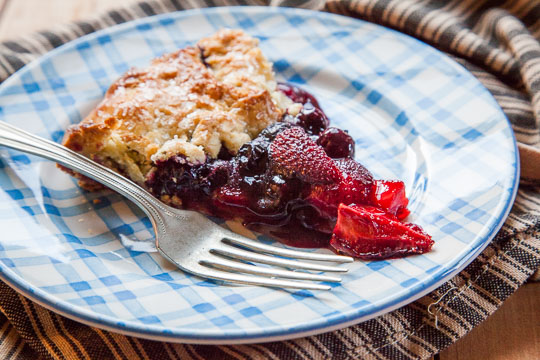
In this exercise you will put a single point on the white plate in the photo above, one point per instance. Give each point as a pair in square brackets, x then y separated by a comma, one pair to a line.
[415, 114]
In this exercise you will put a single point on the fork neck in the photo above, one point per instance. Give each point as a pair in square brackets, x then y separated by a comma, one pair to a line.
[18, 139]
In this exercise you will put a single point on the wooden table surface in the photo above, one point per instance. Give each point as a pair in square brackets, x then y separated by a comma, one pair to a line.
[513, 332]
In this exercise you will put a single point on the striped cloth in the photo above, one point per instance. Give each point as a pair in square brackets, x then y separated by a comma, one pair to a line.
[498, 42]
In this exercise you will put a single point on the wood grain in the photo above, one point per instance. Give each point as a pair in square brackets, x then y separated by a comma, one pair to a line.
[25, 16]
[513, 332]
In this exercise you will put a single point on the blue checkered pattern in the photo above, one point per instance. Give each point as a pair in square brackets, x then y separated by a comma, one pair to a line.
[415, 114]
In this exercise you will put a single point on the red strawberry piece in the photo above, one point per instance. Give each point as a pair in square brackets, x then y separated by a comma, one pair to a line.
[293, 153]
[357, 184]
[232, 195]
[325, 198]
[390, 196]
[355, 187]
[230, 202]
[367, 232]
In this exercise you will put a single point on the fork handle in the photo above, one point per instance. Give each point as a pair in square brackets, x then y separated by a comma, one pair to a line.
[18, 139]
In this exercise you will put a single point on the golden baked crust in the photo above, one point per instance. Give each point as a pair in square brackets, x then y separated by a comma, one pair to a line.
[192, 102]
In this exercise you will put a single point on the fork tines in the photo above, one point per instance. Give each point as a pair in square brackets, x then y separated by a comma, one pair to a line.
[229, 260]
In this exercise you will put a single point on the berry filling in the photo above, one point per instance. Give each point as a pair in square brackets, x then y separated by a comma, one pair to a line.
[297, 181]
[368, 232]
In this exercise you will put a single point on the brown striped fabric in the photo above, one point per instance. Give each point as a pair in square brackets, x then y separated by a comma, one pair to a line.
[498, 42]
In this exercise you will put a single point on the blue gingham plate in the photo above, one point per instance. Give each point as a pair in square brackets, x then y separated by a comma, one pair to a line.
[416, 115]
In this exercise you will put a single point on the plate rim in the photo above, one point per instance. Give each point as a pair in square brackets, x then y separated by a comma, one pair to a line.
[215, 337]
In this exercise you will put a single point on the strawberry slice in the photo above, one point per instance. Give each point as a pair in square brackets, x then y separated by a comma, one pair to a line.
[355, 187]
[357, 184]
[231, 201]
[368, 232]
[293, 153]
[390, 196]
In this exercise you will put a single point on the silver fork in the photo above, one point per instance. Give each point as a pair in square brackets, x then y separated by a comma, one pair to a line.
[186, 238]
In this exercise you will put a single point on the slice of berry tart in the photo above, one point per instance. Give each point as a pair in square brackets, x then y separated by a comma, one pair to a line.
[208, 128]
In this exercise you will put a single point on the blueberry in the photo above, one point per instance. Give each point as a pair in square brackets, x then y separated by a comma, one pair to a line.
[224, 153]
[270, 132]
[336, 143]
[252, 157]
[312, 119]
[217, 174]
